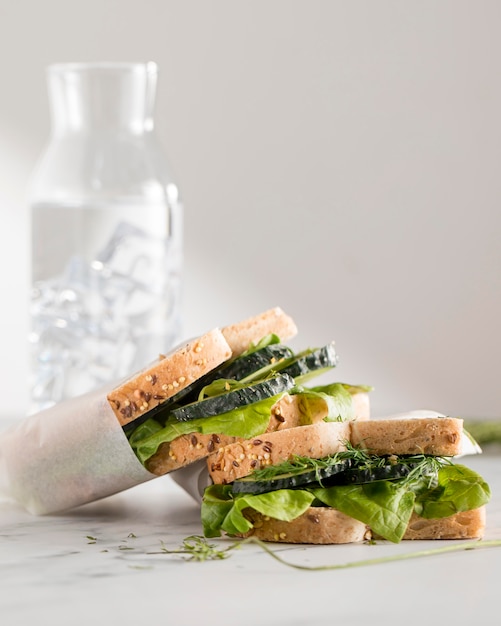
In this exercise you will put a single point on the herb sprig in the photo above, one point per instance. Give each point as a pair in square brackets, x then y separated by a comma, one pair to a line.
[199, 549]
[354, 458]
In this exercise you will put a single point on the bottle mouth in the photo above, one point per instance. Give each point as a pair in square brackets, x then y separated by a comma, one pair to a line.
[149, 67]
[102, 95]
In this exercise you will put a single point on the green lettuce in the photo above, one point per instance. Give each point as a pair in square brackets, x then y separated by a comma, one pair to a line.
[223, 512]
[336, 398]
[385, 506]
[458, 489]
[246, 422]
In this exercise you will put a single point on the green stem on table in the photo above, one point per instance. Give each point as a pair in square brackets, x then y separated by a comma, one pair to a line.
[470, 545]
[199, 549]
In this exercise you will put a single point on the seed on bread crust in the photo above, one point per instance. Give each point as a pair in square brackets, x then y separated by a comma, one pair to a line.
[314, 440]
[169, 374]
[183, 451]
[317, 525]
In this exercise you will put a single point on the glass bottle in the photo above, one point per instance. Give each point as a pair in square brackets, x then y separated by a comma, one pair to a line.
[106, 233]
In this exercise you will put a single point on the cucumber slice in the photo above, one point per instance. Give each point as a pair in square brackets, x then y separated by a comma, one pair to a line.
[289, 480]
[239, 368]
[312, 364]
[216, 405]
[343, 472]
[245, 365]
[391, 471]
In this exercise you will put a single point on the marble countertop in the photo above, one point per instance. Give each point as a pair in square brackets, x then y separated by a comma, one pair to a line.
[106, 561]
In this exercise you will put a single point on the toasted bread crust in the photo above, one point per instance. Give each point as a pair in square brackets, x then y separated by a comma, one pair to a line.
[317, 525]
[164, 378]
[439, 436]
[240, 459]
[463, 525]
[274, 321]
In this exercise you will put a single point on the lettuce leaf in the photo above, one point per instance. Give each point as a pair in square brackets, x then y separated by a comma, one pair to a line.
[337, 398]
[266, 341]
[220, 511]
[384, 506]
[216, 504]
[458, 489]
[246, 422]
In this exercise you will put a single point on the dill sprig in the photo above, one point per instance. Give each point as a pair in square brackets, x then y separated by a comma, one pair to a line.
[418, 465]
[295, 465]
[197, 548]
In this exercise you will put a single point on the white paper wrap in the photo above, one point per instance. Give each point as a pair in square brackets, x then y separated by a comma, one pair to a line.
[68, 455]
[193, 478]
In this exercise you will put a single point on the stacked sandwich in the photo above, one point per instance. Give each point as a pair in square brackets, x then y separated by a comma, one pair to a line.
[289, 461]
[391, 478]
[230, 385]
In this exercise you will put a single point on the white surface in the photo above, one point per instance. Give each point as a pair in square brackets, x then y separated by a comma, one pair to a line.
[340, 159]
[52, 573]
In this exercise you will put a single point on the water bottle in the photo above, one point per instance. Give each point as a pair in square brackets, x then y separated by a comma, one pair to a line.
[106, 233]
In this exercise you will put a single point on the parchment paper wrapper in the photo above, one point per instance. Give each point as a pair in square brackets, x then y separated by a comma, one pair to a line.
[193, 478]
[68, 455]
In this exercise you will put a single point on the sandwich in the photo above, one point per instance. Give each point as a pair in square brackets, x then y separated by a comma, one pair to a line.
[347, 482]
[228, 385]
[291, 462]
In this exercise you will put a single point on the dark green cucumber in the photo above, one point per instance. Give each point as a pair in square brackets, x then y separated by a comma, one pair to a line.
[289, 480]
[237, 369]
[343, 472]
[216, 405]
[245, 365]
[312, 364]
[360, 475]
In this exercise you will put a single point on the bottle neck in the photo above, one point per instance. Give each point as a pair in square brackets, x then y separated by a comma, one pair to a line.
[101, 97]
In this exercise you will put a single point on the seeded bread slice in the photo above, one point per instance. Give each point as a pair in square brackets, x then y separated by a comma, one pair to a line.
[323, 525]
[240, 459]
[463, 525]
[170, 374]
[274, 321]
[438, 436]
[185, 450]
[317, 525]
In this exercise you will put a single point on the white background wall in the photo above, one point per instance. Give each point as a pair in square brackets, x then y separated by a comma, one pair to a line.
[338, 158]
